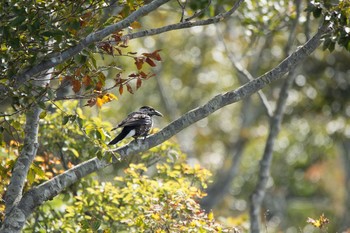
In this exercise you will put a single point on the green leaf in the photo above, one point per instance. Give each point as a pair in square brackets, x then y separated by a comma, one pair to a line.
[95, 225]
[38, 171]
[42, 115]
[99, 154]
[31, 176]
[98, 134]
[75, 152]
[65, 119]
[18, 21]
[42, 105]
[80, 122]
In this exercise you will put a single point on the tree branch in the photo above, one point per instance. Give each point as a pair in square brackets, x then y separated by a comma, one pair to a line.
[265, 163]
[46, 191]
[183, 25]
[20, 170]
[59, 58]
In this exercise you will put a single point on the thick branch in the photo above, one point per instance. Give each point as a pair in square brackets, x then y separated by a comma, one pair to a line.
[59, 58]
[14, 216]
[53, 187]
[20, 170]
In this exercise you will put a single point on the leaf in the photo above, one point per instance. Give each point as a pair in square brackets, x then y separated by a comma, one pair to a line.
[150, 62]
[211, 216]
[108, 97]
[135, 25]
[31, 176]
[319, 223]
[95, 225]
[75, 152]
[93, 61]
[99, 102]
[38, 171]
[91, 102]
[76, 85]
[80, 122]
[65, 119]
[42, 105]
[129, 88]
[99, 154]
[18, 21]
[121, 89]
[138, 83]
[87, 81]
[139, 62]
[154, 55]
[42, 114]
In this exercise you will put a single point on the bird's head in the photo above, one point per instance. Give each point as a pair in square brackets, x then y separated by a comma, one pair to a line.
[150, 111]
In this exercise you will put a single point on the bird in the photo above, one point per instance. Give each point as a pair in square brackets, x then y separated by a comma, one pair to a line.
[136, 124]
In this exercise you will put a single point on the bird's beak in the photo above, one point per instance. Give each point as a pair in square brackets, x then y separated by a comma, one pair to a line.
[157, 113]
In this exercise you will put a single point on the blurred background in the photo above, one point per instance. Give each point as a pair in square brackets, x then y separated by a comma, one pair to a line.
[311, 162]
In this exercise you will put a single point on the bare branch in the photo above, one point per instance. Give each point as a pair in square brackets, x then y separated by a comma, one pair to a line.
[245, 74]
[46, 191]
[275, 123]
[265, 163]
[183, 25]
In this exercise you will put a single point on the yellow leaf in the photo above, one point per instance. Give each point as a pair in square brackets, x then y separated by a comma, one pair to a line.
[99, 102]
[211, 215]
[155, 216]
[319, 223]
[135, 25]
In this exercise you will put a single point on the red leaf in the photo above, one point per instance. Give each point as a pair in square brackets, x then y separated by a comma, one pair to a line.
[129, 88]
[91, 102]
[139, 62]
[150, 62]
[143, 74]
[121, 89]
[116, 37]
[87, 80]
[133, 75]
[98, 86]
[138, 83]
[107, 48]
[76, 85]
[154, 55]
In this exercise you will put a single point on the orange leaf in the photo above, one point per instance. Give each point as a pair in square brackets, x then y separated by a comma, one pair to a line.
[121, 89]
[135, 25]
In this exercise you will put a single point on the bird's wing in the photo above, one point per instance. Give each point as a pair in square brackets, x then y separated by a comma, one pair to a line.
[135, 119]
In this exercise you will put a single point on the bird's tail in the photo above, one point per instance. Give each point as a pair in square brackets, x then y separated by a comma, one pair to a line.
[120, 137]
